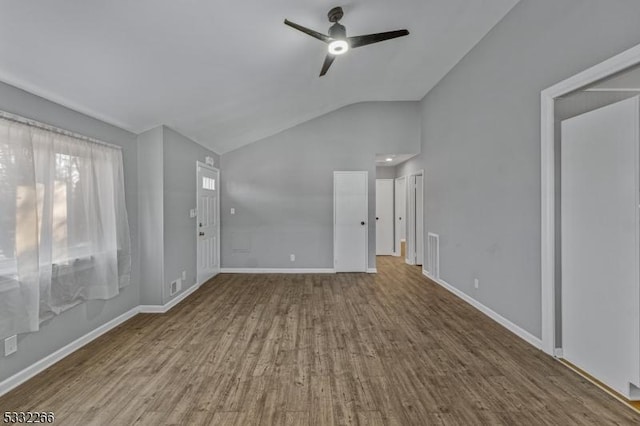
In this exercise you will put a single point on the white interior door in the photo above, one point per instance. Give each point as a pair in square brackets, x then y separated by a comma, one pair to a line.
[350, 211]
[415, 220]
[419, 227]
[400, 207]
[600, 247]
[384, 217]
[208, 224]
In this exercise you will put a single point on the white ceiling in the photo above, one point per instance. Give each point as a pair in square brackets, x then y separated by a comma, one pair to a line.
[381, 159]
[229, 73]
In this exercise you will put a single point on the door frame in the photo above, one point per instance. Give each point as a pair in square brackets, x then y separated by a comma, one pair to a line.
[397, 240]
[410, 213]
[199, 165]
[366, 200]
[620, 62]
[393, 215]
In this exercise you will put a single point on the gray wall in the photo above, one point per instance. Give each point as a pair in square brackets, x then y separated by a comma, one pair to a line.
[167, 177]
[88, 316]
[385, 172]
[481, 144]
[410, 166]
[282, 187]
[150, 206]
[180, 156]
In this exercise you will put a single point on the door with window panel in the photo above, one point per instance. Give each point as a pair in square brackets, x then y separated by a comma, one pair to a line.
[208, 222]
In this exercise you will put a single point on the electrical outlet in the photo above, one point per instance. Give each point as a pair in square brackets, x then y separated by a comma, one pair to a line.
[233, 211]
[184, 275]
[10, 345]
[476, 283]
[292, 257]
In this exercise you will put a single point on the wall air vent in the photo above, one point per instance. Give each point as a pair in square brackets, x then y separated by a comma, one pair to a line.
[433, 255]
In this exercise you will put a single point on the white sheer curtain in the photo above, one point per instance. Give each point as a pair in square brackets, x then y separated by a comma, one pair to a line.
[64, 234]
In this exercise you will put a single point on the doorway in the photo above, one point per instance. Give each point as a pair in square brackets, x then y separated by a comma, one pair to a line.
[600, 255]
[384, 217]
[399, 174]
[592, 339]
[207, 222]
[350, 221]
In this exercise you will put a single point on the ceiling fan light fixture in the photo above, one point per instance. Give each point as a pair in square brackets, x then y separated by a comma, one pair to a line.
[337, 40]
[338, 47]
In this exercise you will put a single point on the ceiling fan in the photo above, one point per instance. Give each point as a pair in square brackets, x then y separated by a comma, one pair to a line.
[337, 40]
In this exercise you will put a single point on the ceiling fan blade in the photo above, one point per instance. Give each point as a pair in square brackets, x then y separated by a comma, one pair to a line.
[308, 31]
[363, 40]
[328, 60]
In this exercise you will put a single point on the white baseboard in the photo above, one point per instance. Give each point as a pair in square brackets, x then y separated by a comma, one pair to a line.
[278, 271]
[46, 362]
[558, 353]
[517, 330]
[372, 270]
[408, 262]
[161, 309]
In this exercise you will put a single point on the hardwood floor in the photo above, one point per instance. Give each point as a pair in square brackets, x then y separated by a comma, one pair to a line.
[385, 349]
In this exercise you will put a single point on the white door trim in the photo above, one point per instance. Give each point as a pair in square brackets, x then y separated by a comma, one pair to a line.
[200, 164]
[410, 232]
[604, 69]
[397, 240]
[366, 234]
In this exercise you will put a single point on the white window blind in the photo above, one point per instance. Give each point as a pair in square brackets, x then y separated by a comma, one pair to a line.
[64, 233]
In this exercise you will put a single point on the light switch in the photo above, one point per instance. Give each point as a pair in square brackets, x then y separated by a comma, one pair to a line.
[193, 213]
[233, 211]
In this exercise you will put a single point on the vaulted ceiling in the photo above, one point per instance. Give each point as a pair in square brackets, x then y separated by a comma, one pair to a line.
[229, 73]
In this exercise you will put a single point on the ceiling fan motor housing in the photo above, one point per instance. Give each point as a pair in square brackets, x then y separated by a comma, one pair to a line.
[338, 32]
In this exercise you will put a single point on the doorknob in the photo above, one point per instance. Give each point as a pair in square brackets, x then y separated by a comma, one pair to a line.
[362, 223]
[202, 234]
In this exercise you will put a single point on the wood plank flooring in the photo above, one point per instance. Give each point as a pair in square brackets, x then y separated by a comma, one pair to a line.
[346, 349]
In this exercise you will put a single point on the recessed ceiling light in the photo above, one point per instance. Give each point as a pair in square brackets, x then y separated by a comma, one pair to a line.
[389, 159]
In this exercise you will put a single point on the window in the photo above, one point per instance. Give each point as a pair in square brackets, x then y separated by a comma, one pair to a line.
[64, 234]
[208, 183]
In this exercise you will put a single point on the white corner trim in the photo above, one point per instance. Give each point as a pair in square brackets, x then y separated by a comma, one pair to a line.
[517, 330]
[278, 271]
[161, 309]
[46, 362]
[372, 270]
[613, 65]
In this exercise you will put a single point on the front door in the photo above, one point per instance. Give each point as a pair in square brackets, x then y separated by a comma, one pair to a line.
[208, 225]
